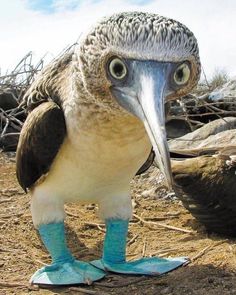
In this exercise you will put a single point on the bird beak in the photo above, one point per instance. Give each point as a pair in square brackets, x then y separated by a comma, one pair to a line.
[145, 98]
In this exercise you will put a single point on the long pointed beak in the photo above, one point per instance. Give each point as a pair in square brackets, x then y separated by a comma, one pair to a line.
[146, 99]
[152, 101]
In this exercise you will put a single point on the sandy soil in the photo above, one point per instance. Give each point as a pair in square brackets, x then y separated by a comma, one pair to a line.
[211, 272]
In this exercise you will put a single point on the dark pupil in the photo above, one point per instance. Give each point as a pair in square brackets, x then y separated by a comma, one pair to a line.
[118, 69]
[180, 74]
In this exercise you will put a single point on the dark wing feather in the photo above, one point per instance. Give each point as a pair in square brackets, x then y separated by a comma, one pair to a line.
[147, 164]
[206, 186]
[42, 134]
[44, 129]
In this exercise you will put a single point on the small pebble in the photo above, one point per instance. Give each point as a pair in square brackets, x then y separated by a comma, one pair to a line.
[166, 291]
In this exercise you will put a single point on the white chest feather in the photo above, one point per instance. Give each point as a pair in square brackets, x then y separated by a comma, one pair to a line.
[98, 158]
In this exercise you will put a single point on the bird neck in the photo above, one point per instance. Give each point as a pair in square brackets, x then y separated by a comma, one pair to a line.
[87, 117]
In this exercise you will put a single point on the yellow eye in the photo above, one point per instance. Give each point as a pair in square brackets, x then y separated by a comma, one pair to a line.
[182, 74]
[117, 68]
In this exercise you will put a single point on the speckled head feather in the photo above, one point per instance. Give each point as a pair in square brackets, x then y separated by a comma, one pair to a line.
[136, 35]
[81, 71]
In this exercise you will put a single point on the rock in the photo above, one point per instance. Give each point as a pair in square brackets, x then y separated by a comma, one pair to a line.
[227, 92]
[218, 133]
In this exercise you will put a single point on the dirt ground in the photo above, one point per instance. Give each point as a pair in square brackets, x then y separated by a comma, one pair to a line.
[211, 272]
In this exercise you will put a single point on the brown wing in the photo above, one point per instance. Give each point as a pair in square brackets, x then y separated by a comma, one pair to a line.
[206, 186]
[42, 134]
[44, 129]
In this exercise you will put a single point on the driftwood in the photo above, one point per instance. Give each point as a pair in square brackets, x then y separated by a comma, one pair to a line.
[13, 86]
[200, 107]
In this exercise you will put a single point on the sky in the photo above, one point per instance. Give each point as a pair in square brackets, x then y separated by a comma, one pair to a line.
[49, 26]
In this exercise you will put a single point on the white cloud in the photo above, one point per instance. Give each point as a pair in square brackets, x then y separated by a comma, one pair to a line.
[61, 5]
[22, 29]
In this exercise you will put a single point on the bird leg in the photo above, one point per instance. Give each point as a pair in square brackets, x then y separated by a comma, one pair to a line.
[114, 257]
[64, 270]
[114, 248]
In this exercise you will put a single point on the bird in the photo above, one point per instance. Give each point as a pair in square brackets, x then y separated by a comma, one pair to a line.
[203, 167]
[94, 115]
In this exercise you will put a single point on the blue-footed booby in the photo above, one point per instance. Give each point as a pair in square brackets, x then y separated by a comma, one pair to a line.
[94, 115]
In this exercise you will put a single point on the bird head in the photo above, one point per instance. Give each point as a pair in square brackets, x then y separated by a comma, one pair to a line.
[134, 63]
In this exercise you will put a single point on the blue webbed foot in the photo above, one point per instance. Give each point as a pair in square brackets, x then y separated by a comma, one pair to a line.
[114, 259]
[68, 273]
[64, 270]
[143, 266]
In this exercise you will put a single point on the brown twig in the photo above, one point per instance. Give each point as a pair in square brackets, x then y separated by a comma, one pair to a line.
[163, 225]
[98, 225]
[206, 249]
[71, 214]
[16, 285]
[144, 247]
[163, 252]
[14, 85]
[201, 253]
[41, 262]
[131, 241]
[205, 77]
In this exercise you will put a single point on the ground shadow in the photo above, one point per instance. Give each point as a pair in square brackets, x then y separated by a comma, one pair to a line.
[80, 249]
[188, 280]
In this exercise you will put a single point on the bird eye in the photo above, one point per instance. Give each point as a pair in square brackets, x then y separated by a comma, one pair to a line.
[182, 74]
[117, 68]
